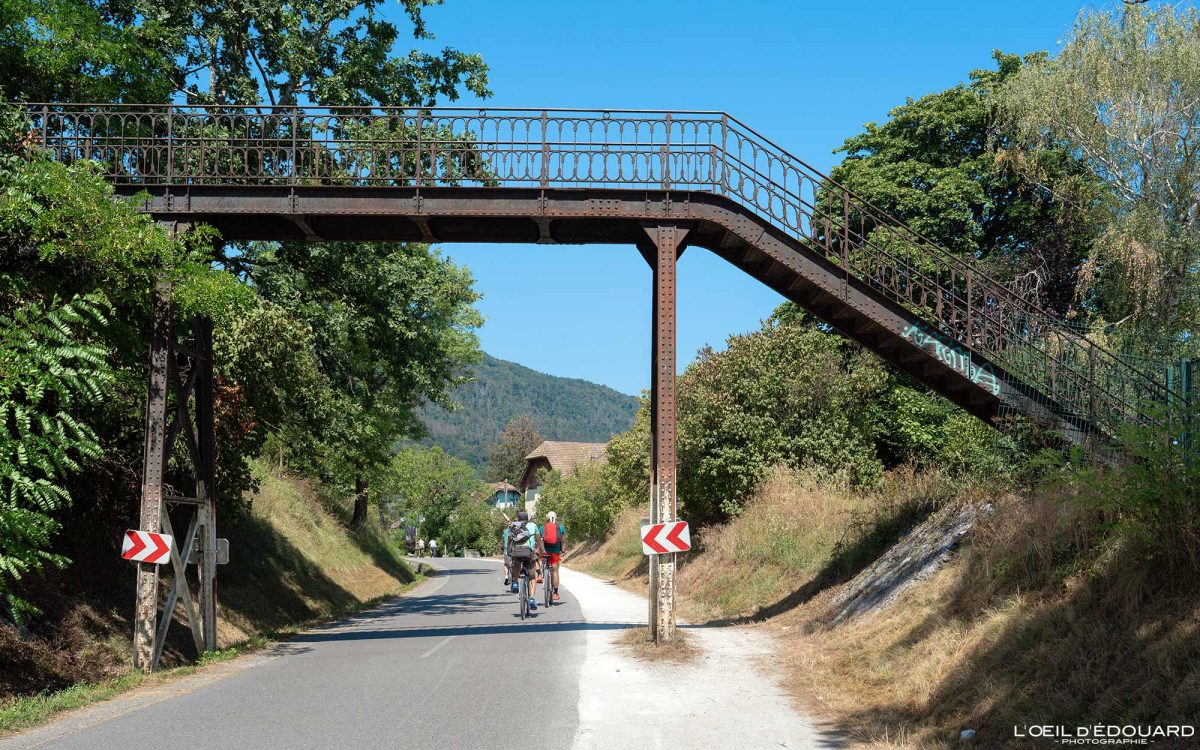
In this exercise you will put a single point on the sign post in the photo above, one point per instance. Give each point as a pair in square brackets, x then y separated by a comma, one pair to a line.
[667, 243]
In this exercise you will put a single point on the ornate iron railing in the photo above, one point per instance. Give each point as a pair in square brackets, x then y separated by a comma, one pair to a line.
[170, 145]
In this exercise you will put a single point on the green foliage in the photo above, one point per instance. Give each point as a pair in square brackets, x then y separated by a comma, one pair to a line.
[290, 52]
[388, 326]
[794, 394]
[788, 395]
[47, 367]
[500, 391]
[73, 50]
[1123, 96]
[936, 164]
[428, 487]
[585, 501]
[1149, 491]
[506, 459]
[327, 53]
[628, 459]
[473, 525]
[63, 232]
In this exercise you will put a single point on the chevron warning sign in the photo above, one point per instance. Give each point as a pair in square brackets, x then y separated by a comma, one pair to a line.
[143, 546]
[662, 538]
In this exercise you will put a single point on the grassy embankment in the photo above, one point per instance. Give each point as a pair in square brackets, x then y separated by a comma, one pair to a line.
[1039, 619]
[293, 562]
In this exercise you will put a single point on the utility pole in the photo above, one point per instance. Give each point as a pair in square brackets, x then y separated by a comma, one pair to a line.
[667, 241]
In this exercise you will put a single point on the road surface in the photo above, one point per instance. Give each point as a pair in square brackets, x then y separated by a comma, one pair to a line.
[451, 665]
[441, 668]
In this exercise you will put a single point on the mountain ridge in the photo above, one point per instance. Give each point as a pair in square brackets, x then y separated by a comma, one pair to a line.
[561, 408]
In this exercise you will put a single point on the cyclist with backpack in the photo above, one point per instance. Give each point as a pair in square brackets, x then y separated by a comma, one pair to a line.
[552, 544]
[522, 547]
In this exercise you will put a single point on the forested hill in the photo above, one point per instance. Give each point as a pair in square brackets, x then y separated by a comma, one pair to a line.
[561, 408]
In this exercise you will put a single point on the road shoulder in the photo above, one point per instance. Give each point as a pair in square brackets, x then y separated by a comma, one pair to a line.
[628, 702]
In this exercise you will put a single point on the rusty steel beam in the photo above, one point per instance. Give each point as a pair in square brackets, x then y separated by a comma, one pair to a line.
[153, 460]
[193, 391]
[667, 242]
[205, 474]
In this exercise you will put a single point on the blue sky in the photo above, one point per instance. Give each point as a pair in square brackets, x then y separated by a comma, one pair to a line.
[805, 74]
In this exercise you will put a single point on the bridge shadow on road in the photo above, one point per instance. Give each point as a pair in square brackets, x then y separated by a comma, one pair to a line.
[528, 626]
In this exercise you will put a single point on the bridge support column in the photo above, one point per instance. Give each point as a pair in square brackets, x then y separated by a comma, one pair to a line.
[666, 245]
[184, 371]
[153, 461]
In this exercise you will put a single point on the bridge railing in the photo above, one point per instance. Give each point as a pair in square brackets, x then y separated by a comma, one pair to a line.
[967, 310]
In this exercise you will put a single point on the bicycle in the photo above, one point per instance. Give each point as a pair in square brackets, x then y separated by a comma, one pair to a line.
[523, 593]
[548, 580]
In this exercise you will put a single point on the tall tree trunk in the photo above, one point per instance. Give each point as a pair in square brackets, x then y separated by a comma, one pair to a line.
[360, 502]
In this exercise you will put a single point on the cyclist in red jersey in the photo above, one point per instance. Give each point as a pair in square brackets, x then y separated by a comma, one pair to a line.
[553, 549]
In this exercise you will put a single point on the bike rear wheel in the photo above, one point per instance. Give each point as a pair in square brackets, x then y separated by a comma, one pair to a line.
[548, 584]
[524, 595]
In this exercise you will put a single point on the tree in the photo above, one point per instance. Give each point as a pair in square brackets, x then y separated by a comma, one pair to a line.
[506, 459]
[788, 394]
[585, 500]
[1123, 97]
[47, 365]
[288, 51]
[297, 51]
[428, 487]
[392, 326]
[473, 525]
[73, 50]
[936, 165]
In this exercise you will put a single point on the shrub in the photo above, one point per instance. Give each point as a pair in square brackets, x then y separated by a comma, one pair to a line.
[47, 368]
[585, 501]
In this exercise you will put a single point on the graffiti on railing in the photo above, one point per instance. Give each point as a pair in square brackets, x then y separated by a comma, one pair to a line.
[955, 356]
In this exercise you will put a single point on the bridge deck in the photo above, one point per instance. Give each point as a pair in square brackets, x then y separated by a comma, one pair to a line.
[600, 216]
[575, 176]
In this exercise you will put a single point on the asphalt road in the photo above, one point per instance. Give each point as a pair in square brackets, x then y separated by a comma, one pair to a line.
[450, 666]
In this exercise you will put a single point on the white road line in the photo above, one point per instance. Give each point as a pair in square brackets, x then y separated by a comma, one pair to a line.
[441, 643]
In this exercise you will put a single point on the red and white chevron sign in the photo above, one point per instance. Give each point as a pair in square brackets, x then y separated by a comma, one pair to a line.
[143, 546]
[661, 538]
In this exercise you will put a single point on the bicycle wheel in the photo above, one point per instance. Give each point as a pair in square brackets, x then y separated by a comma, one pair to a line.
[548, 585]
[524, 594]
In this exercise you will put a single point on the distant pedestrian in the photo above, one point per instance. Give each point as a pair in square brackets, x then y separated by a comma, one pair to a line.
[420, 548]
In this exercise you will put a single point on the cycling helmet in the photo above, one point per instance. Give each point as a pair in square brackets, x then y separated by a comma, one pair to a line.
[522, 515]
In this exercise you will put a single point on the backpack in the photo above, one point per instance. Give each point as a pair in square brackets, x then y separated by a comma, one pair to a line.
[518, 534]
[550, 533]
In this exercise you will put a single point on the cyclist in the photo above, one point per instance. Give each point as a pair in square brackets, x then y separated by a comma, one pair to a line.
[420, 548]
[433, 548]
[522, 547]
[552, 534]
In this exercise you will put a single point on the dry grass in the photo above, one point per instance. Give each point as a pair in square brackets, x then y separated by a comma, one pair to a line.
[292, 560]
[307, 563]
[782, 539]
[620, 556]
[638, 642]
[1043, 617]
[1031, 624]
